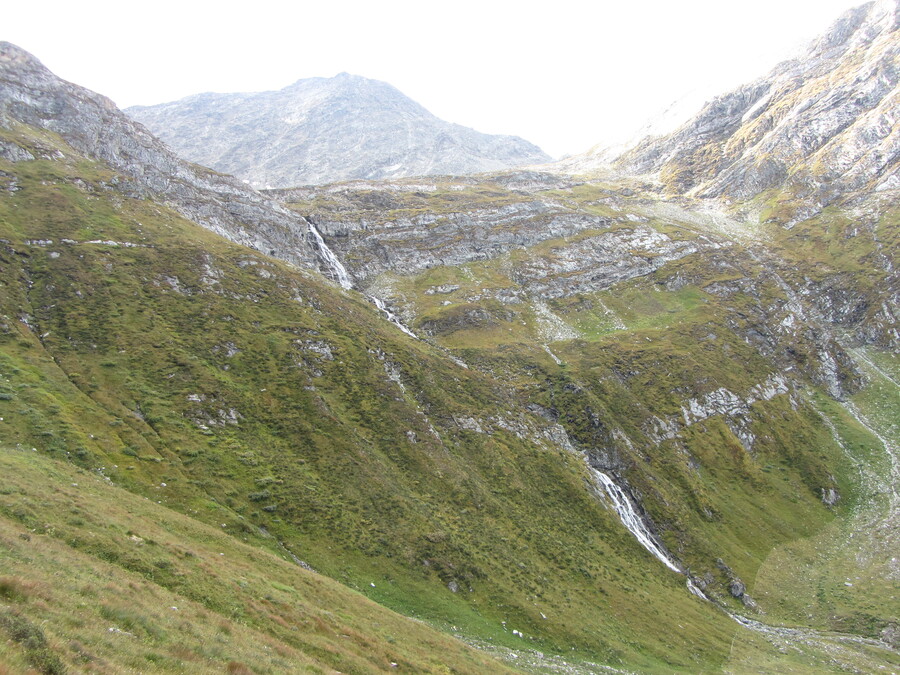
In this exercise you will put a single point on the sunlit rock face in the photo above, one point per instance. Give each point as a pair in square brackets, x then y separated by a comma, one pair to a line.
[823, 123]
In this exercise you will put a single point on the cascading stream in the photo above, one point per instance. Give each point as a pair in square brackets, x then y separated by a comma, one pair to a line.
[393, 318]
[633, 521]
[342, 276]
[636, 525]
[338, 271]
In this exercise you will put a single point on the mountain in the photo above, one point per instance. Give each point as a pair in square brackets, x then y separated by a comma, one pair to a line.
[823, 123]
[323, 130]
[91, 125]
[618, 430]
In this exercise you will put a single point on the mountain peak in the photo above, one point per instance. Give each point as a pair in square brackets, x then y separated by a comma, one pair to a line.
[15, 55]
[856, 27]
[322, 130]
[19, 65]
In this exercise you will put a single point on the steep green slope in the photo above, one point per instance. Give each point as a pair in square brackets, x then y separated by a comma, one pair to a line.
[104, 581]
[249, 395]
[744, 472]
[264, 402]
[837, 577]
[690, 379]
[588, 345]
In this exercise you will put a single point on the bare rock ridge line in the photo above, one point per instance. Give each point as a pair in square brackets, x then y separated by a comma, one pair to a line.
[91, 124]
[825, 119]
[323, 130]
[823, 123]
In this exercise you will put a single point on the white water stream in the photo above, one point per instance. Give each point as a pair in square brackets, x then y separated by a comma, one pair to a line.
[342, 276]
[393, 318]
[832, 643]
[633, 521]
[636, 525]
[338, 271]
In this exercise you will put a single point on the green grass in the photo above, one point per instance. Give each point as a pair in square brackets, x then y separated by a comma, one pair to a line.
[127, 371]
[122, 584]
[841, 578]
[241, 406]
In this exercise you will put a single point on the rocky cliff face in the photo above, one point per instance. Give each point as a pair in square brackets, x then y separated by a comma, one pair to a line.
[91, 124]
[410, 226]
[323, 130]
[459, 256]
[825, 123]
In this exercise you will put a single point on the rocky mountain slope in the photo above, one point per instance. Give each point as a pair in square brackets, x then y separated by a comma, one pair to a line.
[91, 124]
[612, 410]
[824, 124]
[323, 130]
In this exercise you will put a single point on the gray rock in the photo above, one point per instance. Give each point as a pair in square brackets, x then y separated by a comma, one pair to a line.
[93, 126]
[323, 130]
[370, 243]
[830, 496]
[749, 603]
[891, 635]
[823, 123]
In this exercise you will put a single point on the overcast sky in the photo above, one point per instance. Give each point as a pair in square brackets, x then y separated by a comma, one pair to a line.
[563, 74]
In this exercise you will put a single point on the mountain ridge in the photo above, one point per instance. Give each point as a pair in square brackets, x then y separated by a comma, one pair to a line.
[30, 94]
[818, 122]
[319, 130]
[821, 123]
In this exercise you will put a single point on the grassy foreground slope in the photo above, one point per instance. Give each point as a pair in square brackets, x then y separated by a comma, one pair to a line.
[258, 399]
[104, 581]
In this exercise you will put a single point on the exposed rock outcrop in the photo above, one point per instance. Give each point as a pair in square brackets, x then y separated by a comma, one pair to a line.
[824, 123]
[92, 125]
[374, 229]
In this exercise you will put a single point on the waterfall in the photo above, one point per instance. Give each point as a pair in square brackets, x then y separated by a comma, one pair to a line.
[393, 318]
[338, 271]
[636, 525]
[340, 274]
[633, 521]
[695, 589]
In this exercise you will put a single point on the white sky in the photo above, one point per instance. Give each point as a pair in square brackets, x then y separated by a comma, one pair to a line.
[563, 74]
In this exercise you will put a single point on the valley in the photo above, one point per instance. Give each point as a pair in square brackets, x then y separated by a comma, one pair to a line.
[567, 418]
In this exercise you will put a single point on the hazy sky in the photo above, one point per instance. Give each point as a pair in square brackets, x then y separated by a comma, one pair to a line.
[562, 74]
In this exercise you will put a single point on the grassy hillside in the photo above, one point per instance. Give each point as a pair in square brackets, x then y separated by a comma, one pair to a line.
[101, 580]
[265, 414]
